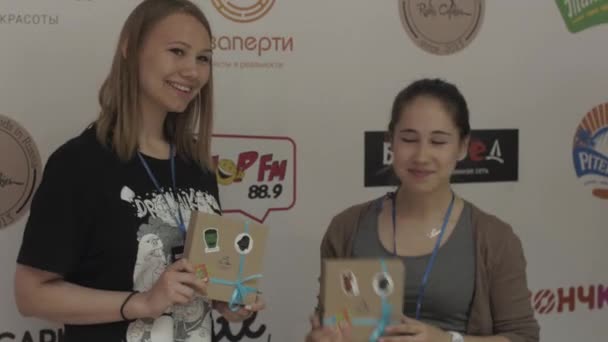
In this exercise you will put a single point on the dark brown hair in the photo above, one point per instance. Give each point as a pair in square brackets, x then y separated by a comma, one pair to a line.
[447, 93]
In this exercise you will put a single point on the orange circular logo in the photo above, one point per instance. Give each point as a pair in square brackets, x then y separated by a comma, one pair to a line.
[243, 11]
[20, 171]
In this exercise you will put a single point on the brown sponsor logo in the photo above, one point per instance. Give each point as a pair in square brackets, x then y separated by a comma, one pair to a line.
[243, 11]
[19, 170]
[442, 27]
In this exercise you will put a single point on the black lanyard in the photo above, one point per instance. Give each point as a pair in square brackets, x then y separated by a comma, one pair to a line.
[179, 220]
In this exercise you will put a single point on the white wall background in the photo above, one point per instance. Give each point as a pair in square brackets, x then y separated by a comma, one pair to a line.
[350, 57]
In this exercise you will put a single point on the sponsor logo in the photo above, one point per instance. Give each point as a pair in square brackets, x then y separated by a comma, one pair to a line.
[43, 335]
[442, 27]
[493, 156]
[247, 49]
[573, 298]
[590, 151]
[256, 174]
[20, 170]
[580, 15]
[243, 11]
[28, 19]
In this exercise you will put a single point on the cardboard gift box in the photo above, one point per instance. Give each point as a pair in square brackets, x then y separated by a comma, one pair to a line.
[367, 293]
[230, 253]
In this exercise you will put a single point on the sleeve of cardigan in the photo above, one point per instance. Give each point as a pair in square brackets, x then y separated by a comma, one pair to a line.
[510, 302]
[328, 250]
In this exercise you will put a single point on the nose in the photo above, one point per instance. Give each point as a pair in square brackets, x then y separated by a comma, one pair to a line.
[189, 69]
[422, 153]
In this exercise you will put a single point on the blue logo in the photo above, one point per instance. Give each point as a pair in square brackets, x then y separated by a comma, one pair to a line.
[590, 151]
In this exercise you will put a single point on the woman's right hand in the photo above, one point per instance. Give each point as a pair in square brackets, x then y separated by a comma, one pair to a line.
[177, 285]
[327, 334]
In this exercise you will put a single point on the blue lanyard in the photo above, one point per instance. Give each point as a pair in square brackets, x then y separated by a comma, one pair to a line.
[425, 278]
[179, 220]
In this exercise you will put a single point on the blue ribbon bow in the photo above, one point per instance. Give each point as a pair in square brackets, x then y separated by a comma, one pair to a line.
[240, 290]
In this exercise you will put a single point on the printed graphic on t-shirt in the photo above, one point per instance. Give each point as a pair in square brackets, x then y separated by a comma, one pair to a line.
[157, 236]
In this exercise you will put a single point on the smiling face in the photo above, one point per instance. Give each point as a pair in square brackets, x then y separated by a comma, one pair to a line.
[226, 171]
[426, 145]
[174, 63]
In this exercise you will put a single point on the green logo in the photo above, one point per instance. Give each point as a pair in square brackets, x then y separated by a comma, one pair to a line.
[211, 237]
[583, 14]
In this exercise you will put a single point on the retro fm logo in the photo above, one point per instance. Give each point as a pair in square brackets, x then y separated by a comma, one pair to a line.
[590, 151]
[256, 174]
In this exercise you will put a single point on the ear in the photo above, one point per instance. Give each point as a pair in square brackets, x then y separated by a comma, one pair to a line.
[464, 148]
[123, 48]
[389, 138]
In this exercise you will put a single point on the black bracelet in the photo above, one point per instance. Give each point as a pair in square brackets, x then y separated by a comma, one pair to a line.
[122, 307]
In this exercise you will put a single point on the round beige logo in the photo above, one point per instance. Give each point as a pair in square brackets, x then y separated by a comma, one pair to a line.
[243, 11]
[19, 171]
[442, 27]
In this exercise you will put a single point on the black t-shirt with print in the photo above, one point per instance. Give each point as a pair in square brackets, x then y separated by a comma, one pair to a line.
[100, 223]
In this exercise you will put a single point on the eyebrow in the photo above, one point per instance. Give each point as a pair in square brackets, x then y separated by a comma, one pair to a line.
[441, 132]
[187, 45]
[409, 130]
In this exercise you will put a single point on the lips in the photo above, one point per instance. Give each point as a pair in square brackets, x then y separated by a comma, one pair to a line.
[420, 173]
[180, 87]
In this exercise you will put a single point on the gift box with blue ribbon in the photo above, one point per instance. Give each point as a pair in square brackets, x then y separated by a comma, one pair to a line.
[367, 293]
[230, 253]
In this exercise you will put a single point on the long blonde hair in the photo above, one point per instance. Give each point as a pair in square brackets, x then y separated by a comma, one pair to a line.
[119, 120]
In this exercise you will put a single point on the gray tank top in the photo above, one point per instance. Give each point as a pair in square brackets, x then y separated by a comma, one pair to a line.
[449, 291]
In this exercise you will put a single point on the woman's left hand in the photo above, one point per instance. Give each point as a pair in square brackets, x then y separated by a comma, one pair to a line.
[411, 330]
[242, 313]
